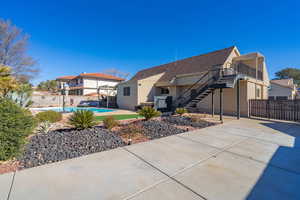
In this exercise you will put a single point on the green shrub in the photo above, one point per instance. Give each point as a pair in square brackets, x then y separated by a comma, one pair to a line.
[44, 127]
[148, 112]
[181, 111]
[109, 122]
[82, 119]
[16, 124]
[49, 115]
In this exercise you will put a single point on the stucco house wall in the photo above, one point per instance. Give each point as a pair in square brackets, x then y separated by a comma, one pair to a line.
[277, 90]
[127, 102]
[145, 88]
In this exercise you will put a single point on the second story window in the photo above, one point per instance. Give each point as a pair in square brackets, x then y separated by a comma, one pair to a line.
[164, 91]
[126, 91]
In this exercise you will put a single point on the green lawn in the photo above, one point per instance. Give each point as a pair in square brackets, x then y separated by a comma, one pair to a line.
[120, 117]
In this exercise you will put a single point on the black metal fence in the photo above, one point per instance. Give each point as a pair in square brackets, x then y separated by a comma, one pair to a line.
[275, 109]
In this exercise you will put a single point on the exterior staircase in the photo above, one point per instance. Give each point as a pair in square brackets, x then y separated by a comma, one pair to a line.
[222, 78]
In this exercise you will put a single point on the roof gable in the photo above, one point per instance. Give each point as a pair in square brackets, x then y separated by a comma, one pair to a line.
[189, 65]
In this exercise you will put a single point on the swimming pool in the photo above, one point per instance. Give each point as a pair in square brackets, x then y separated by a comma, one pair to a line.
[73, 109]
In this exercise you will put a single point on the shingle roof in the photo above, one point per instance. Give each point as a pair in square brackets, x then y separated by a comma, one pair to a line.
[190, 65]
[284, 83]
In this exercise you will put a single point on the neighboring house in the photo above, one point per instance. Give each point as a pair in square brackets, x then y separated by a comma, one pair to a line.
[283, 89]
[89, 84]
[197, 81]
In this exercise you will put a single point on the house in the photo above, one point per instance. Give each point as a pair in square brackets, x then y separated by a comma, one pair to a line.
[199, 82]
[89, 84]
[283, 89]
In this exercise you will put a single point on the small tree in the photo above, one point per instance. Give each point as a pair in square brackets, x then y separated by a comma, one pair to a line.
[116, 72]
[148, 112]
[13, 47]
[49, 85]
[286, 73]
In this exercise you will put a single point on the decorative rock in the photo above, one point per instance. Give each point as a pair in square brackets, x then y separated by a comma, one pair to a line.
[187, 121]
[157, 129]
[65, 144]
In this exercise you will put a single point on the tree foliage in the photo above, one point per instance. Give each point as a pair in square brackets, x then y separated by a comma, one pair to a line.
[289, 73]
[49, 85]
[13, 47]
[116, 72]
[16, 124]
[7, 82]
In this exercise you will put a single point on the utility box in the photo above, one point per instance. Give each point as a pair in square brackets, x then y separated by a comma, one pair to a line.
[163, 103]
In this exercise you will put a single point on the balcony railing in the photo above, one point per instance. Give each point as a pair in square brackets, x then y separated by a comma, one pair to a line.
[242, 68]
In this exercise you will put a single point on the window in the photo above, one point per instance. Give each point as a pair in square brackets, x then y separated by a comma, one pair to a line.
[257, 92]
[164, 91]
[126, 91]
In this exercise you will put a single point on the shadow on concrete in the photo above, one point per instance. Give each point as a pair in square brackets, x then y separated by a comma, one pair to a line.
[281, 177]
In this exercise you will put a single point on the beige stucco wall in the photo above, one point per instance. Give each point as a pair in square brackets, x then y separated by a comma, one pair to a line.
[277, 90]
[247, 92]
[127, 102]
[146, 88]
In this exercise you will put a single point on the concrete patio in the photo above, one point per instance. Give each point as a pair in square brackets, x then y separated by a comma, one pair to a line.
[245, 159]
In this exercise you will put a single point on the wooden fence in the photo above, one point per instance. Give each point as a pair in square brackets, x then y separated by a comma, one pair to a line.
[275, 109]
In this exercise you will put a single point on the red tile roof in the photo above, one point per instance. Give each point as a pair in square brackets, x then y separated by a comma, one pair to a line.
[101, 75]
[65, 77]
[92, 75]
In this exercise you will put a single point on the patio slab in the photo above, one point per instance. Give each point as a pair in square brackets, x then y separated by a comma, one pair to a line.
[114, 174]
[210, 137]
[5, 183]
[175, 153]
[169, 190]
[231, 177]
[270, 153]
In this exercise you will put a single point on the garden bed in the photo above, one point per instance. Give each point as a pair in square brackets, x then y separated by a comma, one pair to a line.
[65, 144]
[58, 145]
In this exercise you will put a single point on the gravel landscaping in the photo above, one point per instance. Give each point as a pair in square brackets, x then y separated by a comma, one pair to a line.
[187, 121]
[65, 144]
[157, 129]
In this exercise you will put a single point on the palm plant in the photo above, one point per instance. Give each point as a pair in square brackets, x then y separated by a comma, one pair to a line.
[148, 112]
[82, 119]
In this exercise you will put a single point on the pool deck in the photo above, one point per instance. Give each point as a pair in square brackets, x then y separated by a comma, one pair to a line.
[114, 112]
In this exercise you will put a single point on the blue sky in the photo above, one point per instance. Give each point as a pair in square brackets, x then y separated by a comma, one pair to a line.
[70, 37]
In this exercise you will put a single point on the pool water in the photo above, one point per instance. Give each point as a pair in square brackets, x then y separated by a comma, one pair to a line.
[73, 109]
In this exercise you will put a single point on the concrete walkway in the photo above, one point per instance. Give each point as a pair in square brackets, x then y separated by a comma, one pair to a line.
[245, 159]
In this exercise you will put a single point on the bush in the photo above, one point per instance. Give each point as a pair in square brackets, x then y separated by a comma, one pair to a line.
[44, 127]
[109, 122]
[49, 115]
[148, 112]
[16, 124]
[197, 118]
[181, 111]
[82, 119]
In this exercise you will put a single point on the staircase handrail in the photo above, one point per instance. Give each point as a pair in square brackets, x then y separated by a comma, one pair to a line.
[216, 75]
